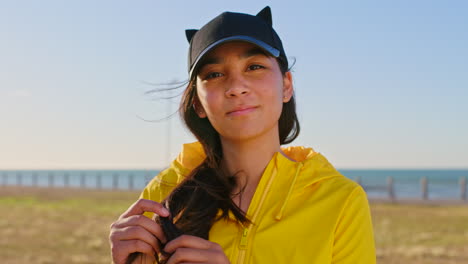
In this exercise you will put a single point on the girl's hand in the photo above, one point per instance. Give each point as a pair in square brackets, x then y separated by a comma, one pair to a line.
[192, 249]
[134, 232]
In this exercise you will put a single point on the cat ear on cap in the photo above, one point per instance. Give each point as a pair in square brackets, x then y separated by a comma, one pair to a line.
[189, 33]
[265, 14]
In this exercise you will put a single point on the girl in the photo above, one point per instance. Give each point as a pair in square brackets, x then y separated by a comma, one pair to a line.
[237, 196]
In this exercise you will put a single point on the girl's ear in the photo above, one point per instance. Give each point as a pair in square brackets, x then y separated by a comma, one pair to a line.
[288, 89]
[198, 108]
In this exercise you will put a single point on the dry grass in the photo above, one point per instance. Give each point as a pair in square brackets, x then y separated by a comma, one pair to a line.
[421, 233]
[58, 225]
[71, 226]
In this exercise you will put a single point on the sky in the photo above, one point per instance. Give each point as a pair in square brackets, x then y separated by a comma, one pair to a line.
[379, 84]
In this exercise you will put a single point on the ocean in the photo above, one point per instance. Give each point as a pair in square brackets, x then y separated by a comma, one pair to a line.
[441, 184]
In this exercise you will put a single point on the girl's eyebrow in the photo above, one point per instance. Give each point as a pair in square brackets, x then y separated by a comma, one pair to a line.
[249, 53]
[210, 60]
[252, 52]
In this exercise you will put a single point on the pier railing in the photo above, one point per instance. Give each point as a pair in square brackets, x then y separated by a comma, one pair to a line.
[390, 191]
[89, 180]
[137, 180]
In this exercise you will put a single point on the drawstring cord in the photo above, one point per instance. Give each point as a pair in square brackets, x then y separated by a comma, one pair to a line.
[291, 187]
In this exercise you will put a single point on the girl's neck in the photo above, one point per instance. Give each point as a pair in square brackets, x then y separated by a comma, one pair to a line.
[248, 159]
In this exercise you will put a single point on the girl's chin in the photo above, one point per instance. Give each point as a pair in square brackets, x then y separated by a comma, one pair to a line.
[241, 136]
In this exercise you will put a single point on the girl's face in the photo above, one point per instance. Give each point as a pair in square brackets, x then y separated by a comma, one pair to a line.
[241, 91]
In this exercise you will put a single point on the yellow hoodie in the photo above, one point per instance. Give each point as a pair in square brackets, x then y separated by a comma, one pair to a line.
[302, 212]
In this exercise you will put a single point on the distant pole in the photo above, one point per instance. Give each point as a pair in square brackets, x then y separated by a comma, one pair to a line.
[66, 179]
[115, 181]
[98, 181]
[19, 179]
[463, 188]
[51, 179]
[130, 181]
[83, 179]
[390, 189]
[4, 178]
[34, 179]
[424, 188]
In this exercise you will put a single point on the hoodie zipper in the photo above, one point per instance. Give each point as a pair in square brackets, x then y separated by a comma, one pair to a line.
[244, 241]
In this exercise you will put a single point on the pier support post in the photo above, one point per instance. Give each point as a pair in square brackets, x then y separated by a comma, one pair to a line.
[424, 189]
[130, 181]
[66, 179]
[34, 179]
[4, 178]
[51, 179]
[390, 189]
[463, 188]
[115, 181]
[82, 180]
[98, 181]
[19, 179]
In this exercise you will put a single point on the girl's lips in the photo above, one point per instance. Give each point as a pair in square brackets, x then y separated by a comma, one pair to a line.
[242, 111]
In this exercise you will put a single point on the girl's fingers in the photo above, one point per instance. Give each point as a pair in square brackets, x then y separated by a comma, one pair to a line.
[187, 241]
[135, 233]
[184, 255]
[127, 247]
[144, 205]
[193, 255]
[143, 221]
[192, 249]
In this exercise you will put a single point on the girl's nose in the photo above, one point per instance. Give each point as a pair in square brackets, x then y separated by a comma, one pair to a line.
[237, 86]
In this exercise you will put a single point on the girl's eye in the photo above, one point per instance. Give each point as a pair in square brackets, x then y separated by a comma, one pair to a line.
[212, 75]
[255, 67]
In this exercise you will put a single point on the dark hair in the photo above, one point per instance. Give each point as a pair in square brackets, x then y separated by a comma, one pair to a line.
[195, 202]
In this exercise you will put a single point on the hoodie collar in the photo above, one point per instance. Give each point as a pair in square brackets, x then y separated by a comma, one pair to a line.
[192, 155]
[298, 158]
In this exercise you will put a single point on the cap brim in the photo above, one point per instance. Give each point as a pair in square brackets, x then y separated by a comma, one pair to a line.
[269, 49]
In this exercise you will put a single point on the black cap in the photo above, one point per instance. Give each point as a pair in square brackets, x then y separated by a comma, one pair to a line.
[231, 26]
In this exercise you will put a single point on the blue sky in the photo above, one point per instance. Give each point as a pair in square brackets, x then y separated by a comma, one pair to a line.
[379, 84]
